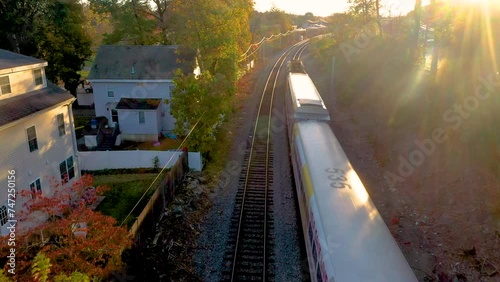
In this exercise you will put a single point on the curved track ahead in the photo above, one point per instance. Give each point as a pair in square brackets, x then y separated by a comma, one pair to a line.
[250, 246]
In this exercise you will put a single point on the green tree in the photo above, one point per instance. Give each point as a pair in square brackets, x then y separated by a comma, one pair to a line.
[139, 22]
[199, 104]
[365, 11]
[96, 25]
[63, 42]
[40, 272]
[50, 30]
[40, 268]
[218, 30]
[268, 23]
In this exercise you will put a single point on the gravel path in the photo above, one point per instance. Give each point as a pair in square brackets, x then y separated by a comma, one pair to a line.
[214, 229]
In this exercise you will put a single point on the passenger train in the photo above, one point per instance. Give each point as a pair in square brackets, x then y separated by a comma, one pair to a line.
[346, 238]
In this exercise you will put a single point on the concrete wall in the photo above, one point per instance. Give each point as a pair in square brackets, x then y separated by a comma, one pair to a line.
[134, 159]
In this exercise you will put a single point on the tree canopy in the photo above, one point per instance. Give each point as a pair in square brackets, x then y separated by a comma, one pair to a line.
[74, 238]
[50, 30]
[217, 30]
[200, 103]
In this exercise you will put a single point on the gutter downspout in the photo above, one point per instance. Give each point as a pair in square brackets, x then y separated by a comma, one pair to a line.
[73, 136]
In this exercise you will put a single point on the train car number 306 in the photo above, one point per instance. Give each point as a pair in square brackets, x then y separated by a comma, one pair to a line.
[337, 178]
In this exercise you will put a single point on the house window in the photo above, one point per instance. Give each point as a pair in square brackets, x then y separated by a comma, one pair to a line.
[114, 115]
[3, 215]
[67, 169]
[111, 91]
[5, 85]
[141, 118]
[60, 124]
[32, 142]
[36, 188]
[38, 76]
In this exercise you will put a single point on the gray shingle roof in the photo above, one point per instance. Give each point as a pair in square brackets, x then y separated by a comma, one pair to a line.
[138, 104]
[12, 109]
[137, 62]
[10, 59]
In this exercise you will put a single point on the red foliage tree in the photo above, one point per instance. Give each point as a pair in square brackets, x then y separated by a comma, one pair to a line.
[72, 235]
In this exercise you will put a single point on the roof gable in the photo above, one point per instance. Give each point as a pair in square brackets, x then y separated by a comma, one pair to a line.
[135, 62]
[17, 107]
[10, 60]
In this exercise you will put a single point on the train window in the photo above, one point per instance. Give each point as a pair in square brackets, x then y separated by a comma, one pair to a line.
[315, 255]
[319, 277]
[303, 194]
[311, 238]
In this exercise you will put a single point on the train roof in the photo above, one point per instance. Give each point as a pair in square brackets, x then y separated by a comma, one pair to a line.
[360, 245]
[306, 97]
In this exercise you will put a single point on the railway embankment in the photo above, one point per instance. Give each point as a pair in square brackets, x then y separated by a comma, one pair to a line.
[439, 197]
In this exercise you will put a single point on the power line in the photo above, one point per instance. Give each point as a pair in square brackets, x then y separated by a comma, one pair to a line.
[163, 169]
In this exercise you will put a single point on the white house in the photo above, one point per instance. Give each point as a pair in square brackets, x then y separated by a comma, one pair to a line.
[131, 85]
[37, 137]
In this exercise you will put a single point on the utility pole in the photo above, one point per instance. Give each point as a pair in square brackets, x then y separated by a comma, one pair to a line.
[332, 78]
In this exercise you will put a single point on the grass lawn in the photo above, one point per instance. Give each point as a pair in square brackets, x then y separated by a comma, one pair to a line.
[125, 191]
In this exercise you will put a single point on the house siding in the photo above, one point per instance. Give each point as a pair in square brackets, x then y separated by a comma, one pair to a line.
[133, 130]
[23, 81]
[133, 90]
[42, 163]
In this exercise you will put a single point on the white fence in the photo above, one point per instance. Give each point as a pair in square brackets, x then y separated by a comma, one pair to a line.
[97, 160]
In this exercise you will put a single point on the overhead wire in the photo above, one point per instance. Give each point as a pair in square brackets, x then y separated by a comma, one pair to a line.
[163, 169]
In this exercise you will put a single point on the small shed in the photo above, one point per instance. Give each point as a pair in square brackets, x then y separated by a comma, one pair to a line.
[139, 118]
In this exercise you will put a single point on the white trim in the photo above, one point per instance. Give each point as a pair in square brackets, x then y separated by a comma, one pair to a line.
[28, 138]
[23, 68]
[41, 76]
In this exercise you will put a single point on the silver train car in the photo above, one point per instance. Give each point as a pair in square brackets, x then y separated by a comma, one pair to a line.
[303, 100]
[346, 238]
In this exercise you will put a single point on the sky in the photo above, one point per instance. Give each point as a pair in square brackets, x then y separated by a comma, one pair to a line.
[327, 7]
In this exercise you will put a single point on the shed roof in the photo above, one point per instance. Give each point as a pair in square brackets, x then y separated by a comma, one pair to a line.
[138, 104]
[10, 59]
[136, 62]
[17, 107]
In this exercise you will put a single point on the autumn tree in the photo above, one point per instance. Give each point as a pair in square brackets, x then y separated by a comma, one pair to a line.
[139, 22]
[96, 25]
[440, 16]
[363, 10]
[417, 11]
[41, 272]
[50, 30]
[217, 30]
[265, 24]
[199, 105]
[68, 232]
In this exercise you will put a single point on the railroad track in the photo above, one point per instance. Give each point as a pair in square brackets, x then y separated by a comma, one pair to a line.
[249, 250]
